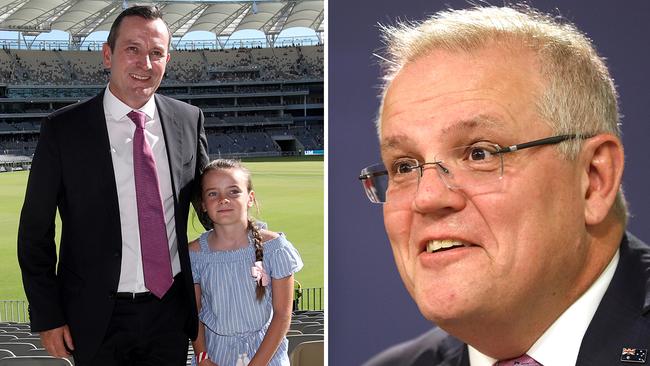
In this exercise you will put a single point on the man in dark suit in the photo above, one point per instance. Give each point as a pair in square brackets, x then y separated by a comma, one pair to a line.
[109, 302]
[501, 173]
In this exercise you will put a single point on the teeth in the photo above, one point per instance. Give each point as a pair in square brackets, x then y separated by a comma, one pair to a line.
[435, 245]
[140, 77]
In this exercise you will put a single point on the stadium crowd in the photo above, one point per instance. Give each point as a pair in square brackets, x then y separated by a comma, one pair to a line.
[36, 67]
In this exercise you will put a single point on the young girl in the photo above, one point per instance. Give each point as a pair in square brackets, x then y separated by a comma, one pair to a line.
[243, 276]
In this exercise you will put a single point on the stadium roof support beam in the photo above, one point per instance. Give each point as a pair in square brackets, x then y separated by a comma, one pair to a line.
[270, 39]
[43, 22]
[82, 29]
[7, 10]
[187, 17]
[274, 25]
[221, 43]
[318, 21]
[317, 24]
[237, 15]
[28, 43]
[79, 18]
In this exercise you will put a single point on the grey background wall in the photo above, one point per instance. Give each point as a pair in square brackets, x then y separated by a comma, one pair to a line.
[368, 306]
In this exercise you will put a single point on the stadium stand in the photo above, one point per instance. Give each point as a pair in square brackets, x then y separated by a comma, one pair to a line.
[36, 67]
[257, 101]
[19, 346]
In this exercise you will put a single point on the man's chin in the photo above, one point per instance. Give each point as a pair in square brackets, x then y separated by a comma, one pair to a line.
[441, 306]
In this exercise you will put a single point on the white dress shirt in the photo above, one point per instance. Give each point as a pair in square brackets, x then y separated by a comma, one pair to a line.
[120, 134]
[560, 344]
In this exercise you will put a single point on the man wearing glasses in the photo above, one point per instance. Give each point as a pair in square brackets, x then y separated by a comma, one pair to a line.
[500, 185]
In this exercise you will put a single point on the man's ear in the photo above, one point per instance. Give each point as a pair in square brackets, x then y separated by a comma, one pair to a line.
[603, 159]
[106, 55]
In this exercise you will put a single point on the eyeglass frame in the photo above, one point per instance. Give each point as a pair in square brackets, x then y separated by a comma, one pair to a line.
[500, 150]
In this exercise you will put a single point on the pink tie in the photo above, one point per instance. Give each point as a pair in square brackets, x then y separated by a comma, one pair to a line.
[523, 360]
[151, 220]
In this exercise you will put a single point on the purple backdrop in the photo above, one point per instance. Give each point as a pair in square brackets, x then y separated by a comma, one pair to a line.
[369, 308]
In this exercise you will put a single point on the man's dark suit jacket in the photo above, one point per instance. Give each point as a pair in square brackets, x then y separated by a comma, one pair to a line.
[621, 320]
[72, 170]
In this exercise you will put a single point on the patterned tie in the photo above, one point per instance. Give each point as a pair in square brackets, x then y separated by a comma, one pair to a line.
[151, 219]
[523, 360]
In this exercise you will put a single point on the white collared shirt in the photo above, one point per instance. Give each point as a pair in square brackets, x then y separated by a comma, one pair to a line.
[120, 134]
[560, 344]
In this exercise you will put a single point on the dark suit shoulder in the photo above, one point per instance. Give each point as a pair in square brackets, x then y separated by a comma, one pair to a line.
[622, 319]
[432, 348]
[175, 104]
[82, 108]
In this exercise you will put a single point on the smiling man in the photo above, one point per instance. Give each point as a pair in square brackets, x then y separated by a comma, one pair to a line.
[500, 182]
[120, 169]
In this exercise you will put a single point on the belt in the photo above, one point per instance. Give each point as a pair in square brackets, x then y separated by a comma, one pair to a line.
[133, 295]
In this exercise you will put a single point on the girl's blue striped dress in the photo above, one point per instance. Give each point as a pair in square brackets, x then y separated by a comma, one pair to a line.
[235, 321]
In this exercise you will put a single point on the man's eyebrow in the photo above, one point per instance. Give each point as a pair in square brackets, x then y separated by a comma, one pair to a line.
[393, 142]
[479, 122]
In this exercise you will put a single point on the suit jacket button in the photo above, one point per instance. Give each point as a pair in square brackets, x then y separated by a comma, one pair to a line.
[117, 254]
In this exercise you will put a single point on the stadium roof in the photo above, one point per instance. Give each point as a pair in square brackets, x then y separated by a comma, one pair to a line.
[82, 17]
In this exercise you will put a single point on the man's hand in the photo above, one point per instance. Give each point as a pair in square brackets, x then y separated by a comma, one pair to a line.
[56, 340]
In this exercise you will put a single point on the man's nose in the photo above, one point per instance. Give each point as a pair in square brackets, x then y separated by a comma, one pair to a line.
[434, 195]
[145, 62]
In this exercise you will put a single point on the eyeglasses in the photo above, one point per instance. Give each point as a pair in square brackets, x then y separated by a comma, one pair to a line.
[475, 168]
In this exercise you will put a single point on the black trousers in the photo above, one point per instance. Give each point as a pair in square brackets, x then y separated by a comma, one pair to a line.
[146, 332]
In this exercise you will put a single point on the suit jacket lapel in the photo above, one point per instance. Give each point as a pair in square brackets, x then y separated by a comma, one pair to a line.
[622, 318]
[95, 143]
[449, 352]
[460, 357]
[172, 132]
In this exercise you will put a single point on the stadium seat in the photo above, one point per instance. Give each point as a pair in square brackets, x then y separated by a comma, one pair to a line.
[6, 353]
[22, 326]
[34, 361]
[7, 337]
[17, 348]
[295, 340]
[314, 312]
[313, 329]
[317, 319]
[37, 352]
[35, 341]
[293, 332]
[309, 353]
[302, 325]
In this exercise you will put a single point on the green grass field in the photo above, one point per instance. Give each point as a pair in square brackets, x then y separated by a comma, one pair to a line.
[290, 194]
